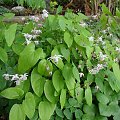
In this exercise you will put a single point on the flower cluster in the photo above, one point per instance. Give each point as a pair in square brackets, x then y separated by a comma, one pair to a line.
[96, 69]
[17, 78]
[29, 37]
[91, 38]
[45, 14]
[100, 40]
[102, 57]
[83, 24]
[34, 18]
[55, 58]
[33, 36]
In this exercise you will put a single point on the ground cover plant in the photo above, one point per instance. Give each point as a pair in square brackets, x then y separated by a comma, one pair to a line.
[63, 67]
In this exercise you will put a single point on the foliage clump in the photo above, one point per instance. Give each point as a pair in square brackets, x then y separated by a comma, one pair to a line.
[64, 68]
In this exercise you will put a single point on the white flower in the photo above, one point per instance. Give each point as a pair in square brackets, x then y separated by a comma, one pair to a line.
[45, 14]
[102, 57]
[91, 38]
[23, 77]
[117, 49]
[96, 69]
[55, 58]
[97, 87]
[81, 75]
[100, 39]
[36, 31]
[28, 42]
[6, 76]
[27, 36]
[15, 77]
[34, 36]
[99, 66]
[83, 24]
[111, 35]
[34, 18]
[95, 16]
[36, 42]
[116, 60]
[104, 31]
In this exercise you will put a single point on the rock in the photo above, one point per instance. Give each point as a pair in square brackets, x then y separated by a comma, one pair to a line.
[18, 10]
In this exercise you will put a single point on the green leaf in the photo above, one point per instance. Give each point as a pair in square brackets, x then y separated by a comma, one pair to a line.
[82, 16]
[105, 10]
[59, 112]
[90, 110]
[99, 79]
[70, 83]
[79, 92]
[66, 53]
[62, 23]
[62, 98]
[88, 96]
[116, 71]
[12, 93]
[47, 108]
[88, 117]
[103, 20]
[28, 28]
[89, 51]
[100, 118]
[37, 82]
[16, 113]
[49, 91]
[67, 71]
[76, 73]
[68, 114]
[17, 48]
[114, 107]
[117, 12]
[78, 114]
[104, 110]
[29, 105]
[10, 34]
[28, 58]
[81, 40]
[68, 39]
[73, 102]
[59, 9]
[117, 115]
[45, 67]
[24, 85]
[112, 81]
[58, 81]
[3, 55]
[8, 15]
[102, 98]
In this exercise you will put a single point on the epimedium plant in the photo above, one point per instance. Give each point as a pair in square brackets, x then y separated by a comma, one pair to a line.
[62, 68]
